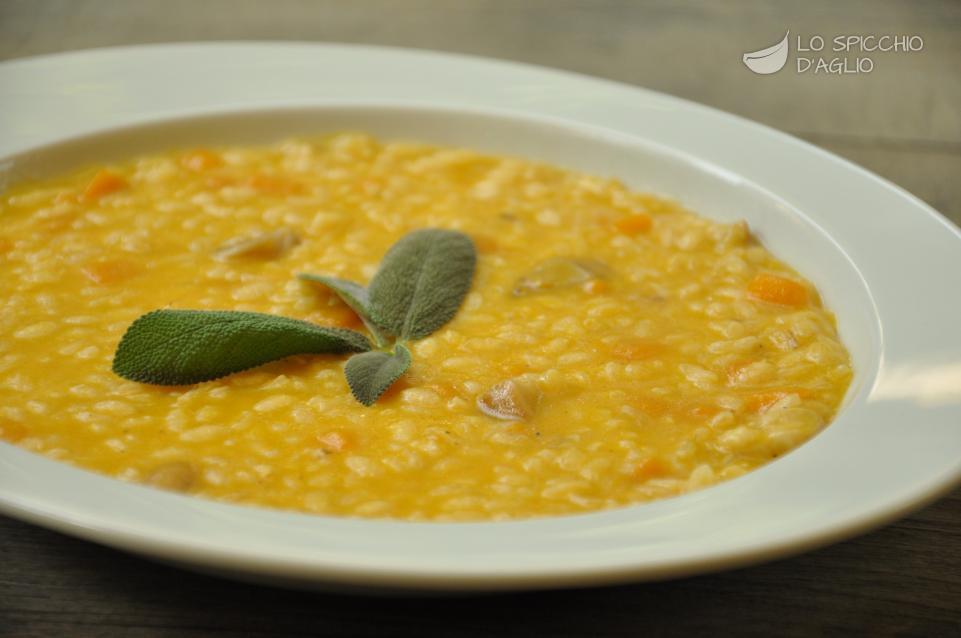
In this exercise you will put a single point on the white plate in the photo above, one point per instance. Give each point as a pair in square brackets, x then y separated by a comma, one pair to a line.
[886, 263]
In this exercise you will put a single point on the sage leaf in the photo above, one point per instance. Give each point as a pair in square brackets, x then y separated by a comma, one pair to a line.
[355, 296]
[177, 347]
[371, 373]
[422, 282]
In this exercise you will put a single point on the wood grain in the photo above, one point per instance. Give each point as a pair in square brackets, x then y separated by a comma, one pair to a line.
[902, 580]
[902, 121]
[687, 48]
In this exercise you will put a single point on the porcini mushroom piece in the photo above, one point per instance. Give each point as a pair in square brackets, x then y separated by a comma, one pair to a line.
[559, 273]
[511, 400]
[261, 246]
[177, 476]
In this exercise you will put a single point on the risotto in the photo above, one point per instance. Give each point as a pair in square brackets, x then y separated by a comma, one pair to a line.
[613, 347]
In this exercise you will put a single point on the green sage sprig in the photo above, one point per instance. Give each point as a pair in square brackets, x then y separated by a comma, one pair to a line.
[419, 287]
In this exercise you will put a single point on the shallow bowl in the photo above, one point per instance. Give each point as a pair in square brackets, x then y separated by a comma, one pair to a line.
[882, 260]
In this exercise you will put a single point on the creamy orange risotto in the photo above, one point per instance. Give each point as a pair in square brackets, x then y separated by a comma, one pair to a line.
[613, 347]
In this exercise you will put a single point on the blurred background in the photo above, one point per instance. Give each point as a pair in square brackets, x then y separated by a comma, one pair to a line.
[901, 120]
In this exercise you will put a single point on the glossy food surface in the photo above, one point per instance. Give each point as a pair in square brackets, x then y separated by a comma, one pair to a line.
[614, 348]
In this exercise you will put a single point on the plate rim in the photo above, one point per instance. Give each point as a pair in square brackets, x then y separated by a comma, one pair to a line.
[485, 579]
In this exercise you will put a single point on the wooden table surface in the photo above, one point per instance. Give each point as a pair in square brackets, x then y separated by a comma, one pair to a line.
[902, 120]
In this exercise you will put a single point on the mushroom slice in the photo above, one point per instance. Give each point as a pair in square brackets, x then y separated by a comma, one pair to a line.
[512, 400]
[560, 272]
[261, 246]
[177, 476]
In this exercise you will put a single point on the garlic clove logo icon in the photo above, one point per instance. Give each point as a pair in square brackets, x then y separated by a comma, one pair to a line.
[769, 60]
